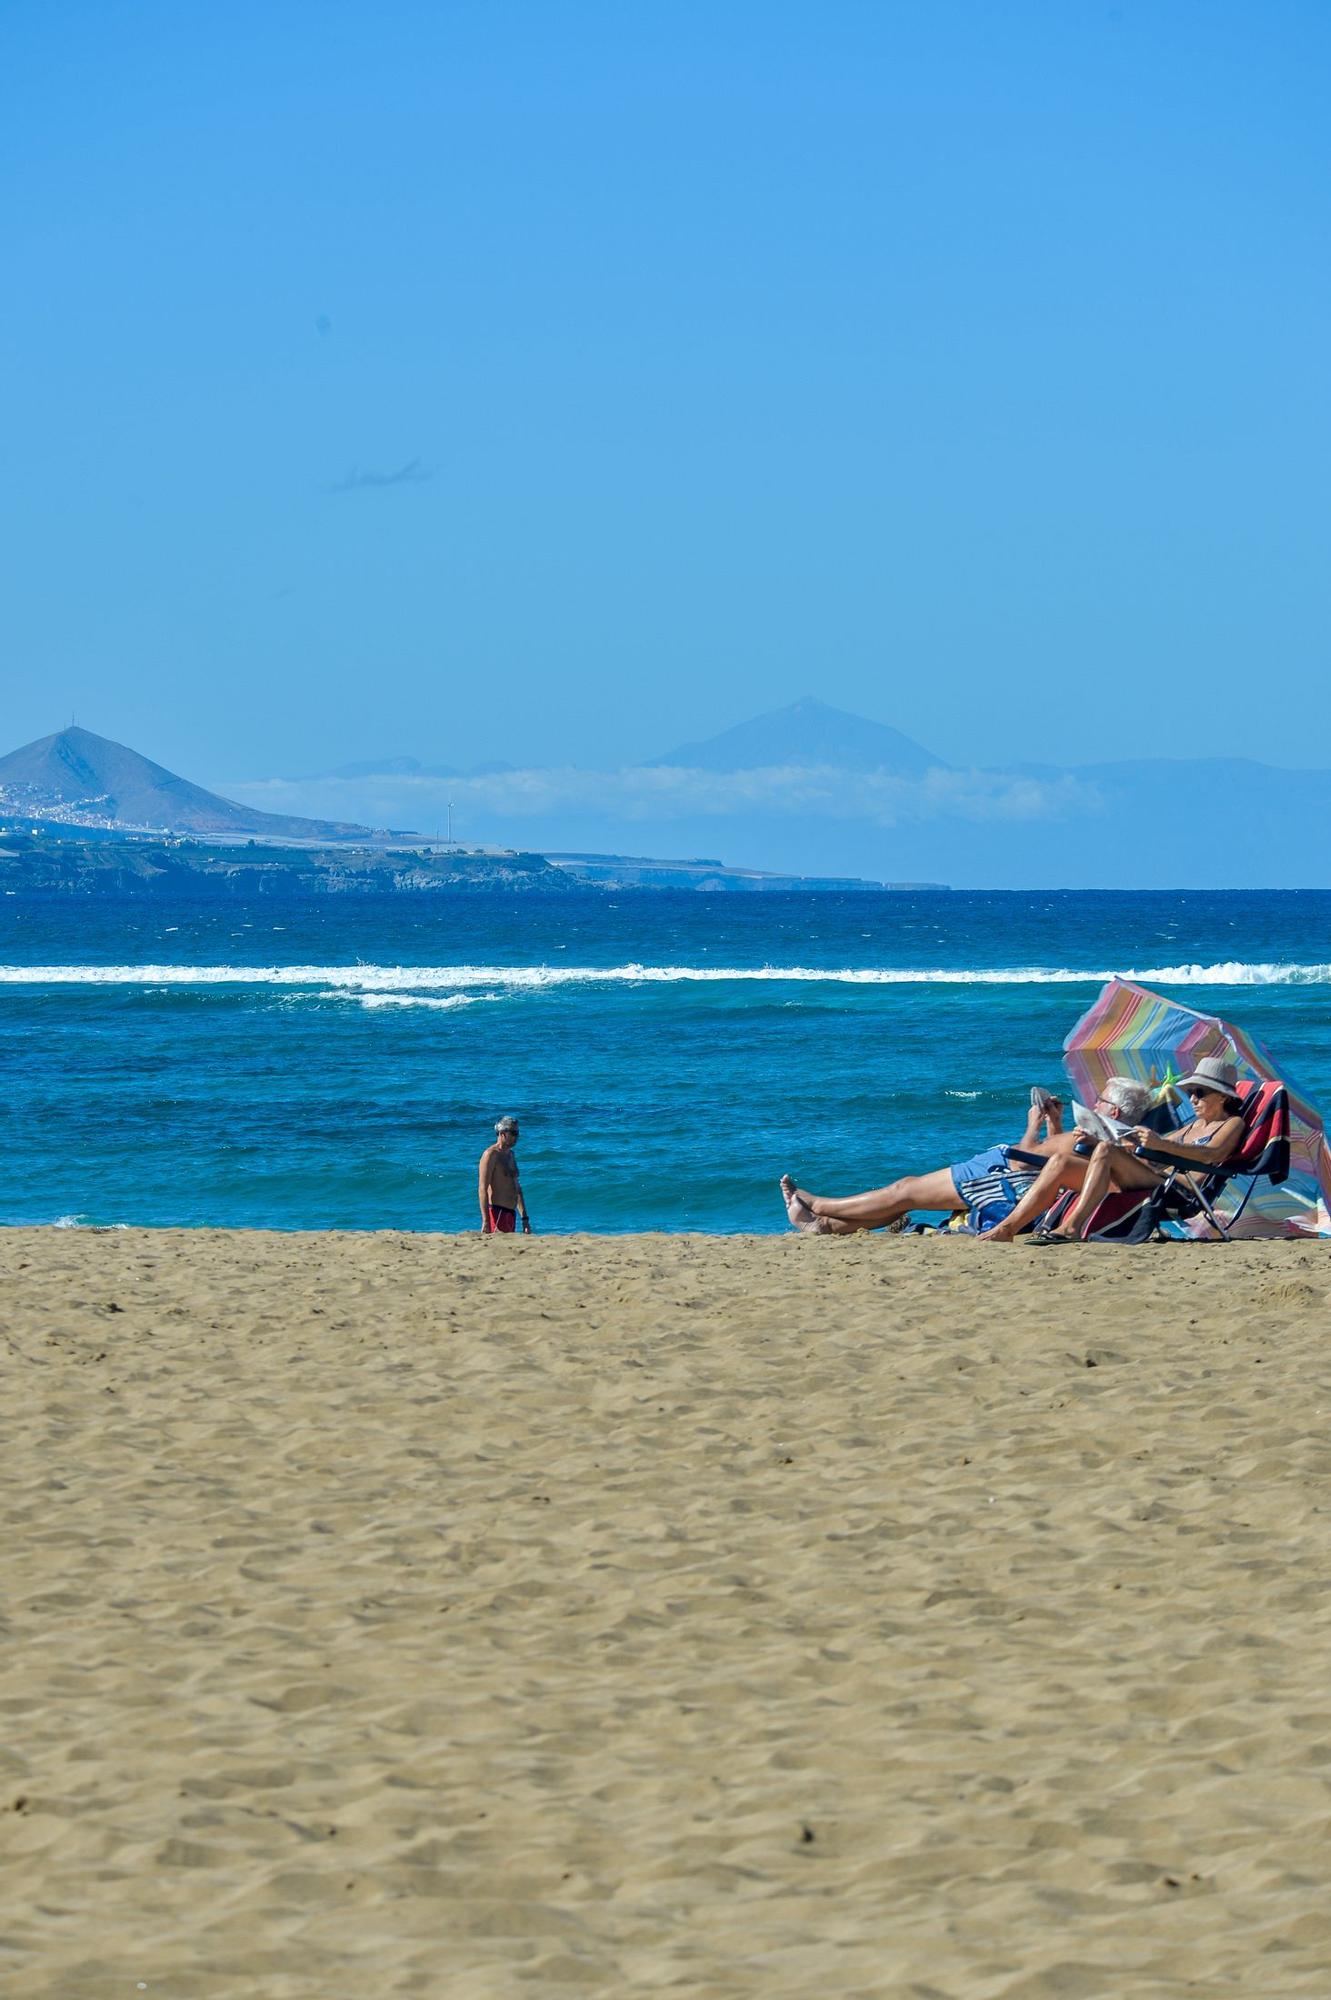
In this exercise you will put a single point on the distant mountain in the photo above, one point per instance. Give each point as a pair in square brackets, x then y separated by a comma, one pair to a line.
[808, 732]
[80, 779]
[389, 767]
[811, 790]
[1231, 786]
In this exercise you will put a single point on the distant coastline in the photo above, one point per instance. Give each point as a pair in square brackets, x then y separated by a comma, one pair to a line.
[43, 860]
[640, 871]
[35, 863]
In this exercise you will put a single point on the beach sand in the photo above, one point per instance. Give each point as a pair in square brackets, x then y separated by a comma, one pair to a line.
[444, 1616]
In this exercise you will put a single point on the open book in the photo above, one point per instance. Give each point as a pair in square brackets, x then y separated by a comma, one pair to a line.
[1095, 1124]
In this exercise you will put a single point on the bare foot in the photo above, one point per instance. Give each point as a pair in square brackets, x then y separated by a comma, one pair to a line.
[797, 1208]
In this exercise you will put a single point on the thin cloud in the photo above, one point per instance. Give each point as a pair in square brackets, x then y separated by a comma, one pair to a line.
[414, 473]
[821, 791]
[658, 792]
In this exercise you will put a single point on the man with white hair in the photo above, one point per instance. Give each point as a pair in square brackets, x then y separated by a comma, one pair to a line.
[1212, 1134]
[500, 1189]
[989, 1189]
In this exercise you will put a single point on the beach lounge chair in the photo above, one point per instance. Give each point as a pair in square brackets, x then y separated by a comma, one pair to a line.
[1133, 1215]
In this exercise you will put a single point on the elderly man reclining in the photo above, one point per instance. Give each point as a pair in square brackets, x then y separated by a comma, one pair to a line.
[1211, 1135]
[987, 1189]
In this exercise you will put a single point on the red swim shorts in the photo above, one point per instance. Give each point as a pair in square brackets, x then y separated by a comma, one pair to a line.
[501, 1221]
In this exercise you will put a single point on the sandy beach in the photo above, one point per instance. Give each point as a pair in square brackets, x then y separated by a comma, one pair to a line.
[443, 1616]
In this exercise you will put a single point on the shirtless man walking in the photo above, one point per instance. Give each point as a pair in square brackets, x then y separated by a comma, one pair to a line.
[500, 1189]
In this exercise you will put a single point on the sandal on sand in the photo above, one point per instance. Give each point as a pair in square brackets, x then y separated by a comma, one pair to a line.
[1044, 1237]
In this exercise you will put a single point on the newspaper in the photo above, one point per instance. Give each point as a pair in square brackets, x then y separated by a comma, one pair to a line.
[1095, 1125]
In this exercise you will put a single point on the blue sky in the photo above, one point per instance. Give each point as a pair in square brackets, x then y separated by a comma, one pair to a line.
[557, 382]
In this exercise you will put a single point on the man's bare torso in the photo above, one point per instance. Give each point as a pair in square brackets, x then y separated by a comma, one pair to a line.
[499, 1168]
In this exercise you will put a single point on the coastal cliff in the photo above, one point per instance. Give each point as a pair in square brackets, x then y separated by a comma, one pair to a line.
[39, 864]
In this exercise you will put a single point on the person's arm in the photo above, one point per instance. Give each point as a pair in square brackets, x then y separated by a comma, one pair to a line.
[1193, 1152]
[1049, 1116]
[483, 1190]
[522, 1205]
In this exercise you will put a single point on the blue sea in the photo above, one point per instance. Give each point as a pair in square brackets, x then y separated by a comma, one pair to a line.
[340, 1063]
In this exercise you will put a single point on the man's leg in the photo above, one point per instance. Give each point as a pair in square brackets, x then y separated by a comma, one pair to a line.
[1057, 1146]
[803, 1217]
[1110, 1167]
[879, 1206]
[1062, 1169]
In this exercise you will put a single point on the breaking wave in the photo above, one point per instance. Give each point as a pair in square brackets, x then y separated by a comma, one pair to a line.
[384, 982]
[420, 999]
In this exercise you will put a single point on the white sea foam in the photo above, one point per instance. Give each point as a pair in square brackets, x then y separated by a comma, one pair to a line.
[416, 979]
[420, 999]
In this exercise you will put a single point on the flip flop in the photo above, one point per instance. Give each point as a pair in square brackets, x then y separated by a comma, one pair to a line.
[1042, 1099]
[1046, 1237]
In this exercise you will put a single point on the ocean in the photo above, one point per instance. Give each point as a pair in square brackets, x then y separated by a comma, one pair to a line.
[340, 1063]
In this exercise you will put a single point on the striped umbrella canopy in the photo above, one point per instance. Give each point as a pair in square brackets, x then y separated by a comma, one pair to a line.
[1129, 1031]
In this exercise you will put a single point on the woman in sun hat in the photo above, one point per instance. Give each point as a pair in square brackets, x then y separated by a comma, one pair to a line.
[1213, 1074]
[1211, 1135]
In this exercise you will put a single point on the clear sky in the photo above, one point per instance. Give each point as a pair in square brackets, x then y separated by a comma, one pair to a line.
[557, 381]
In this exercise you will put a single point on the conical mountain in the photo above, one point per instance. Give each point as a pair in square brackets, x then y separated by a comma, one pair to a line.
[808, 732]
[86, 780]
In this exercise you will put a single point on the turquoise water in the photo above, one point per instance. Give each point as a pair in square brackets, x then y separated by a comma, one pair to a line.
[340, 1064]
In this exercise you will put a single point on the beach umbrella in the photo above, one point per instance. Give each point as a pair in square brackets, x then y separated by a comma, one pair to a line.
[1130, 1031]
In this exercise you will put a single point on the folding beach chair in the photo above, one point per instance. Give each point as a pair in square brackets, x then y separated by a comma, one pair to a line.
[1263, 1154]
[1133, 1215]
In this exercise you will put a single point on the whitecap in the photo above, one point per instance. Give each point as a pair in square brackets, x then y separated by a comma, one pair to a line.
[455, 978]
[421, 999]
